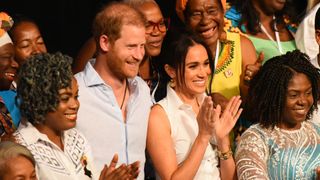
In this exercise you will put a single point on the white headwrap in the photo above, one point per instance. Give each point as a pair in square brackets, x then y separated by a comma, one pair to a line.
[306, 35]
[5, 39]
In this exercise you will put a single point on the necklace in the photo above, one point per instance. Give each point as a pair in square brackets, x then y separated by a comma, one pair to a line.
[124, 94]
[217, 54]
[277, 41]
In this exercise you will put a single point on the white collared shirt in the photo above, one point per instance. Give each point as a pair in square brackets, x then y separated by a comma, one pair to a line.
[100, 119]
[52, 163]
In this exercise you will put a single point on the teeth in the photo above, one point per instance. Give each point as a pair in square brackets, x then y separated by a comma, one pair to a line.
[208, 33]
[10, 74]
[200, 82]
[300, 111]
[71, 116]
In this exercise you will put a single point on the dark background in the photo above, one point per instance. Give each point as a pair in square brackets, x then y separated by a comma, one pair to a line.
[65, 24]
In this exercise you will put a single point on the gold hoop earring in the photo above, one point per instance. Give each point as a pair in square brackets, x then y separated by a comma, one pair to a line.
[172, 83]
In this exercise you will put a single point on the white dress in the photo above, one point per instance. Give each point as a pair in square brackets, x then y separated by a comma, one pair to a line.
[184, 130]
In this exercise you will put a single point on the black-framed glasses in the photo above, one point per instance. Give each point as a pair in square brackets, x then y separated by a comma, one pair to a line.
[162, 25]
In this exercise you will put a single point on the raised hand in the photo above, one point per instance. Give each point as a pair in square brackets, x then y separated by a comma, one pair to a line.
[204, 118]
[218, 98]
[252, 69]
[223, 123]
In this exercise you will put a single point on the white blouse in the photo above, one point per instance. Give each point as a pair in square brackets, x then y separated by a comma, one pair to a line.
[184, 130]
[52, 163]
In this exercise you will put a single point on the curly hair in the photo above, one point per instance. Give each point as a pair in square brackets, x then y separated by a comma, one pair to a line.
[268, 89]
[40, 80]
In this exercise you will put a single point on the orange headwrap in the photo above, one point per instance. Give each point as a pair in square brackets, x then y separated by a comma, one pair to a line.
[6, 23]
[181, 6]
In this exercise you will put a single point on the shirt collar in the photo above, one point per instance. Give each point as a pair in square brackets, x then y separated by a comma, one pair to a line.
[91, 77]
[178, 103]
[32, 135]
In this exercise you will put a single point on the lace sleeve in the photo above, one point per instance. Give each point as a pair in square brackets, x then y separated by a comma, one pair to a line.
[251, 156]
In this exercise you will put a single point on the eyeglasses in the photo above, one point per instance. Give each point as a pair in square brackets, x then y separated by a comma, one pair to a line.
[162, 25]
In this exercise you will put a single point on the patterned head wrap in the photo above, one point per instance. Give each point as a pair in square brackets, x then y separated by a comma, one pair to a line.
[6, 23]
[181, 6]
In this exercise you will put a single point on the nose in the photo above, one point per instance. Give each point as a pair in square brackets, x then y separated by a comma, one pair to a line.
[139, 53]
[35, 49]
[204, 19]
[74, 104]
[14, 63]
[156, 30]
[302, 100]
[202, 71]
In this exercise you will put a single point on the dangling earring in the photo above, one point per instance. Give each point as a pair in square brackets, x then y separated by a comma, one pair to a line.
[172, 83]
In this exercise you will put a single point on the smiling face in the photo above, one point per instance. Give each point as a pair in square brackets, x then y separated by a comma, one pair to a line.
[205, 17]
[65, 116]
[197, 71]
[299, 100]
[19, 168]
[8, 66]
[154, 39]
[28, 41]
[126, 53]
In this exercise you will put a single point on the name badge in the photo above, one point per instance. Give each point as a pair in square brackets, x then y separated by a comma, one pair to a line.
[228, 73]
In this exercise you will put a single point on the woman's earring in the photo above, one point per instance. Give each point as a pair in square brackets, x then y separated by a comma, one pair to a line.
[172, 83]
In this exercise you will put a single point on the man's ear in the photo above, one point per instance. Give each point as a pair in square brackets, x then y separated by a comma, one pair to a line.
[104, 43]
[170, 71]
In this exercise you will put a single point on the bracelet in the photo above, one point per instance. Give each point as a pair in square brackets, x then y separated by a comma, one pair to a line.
[225, 155]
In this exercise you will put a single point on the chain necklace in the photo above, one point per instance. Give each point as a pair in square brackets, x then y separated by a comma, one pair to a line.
[124, 94]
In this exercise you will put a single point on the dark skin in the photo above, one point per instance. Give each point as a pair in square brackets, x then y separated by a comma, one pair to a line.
[123, 172]
[206, 19]
[8, 66]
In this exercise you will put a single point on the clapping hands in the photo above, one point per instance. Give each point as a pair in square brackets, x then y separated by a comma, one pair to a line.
[212, 121]
[123, 172]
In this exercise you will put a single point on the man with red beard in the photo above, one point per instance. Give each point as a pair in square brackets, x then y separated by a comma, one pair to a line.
[115, 103]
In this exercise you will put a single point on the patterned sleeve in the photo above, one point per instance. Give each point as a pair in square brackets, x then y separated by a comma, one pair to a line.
[251, 156]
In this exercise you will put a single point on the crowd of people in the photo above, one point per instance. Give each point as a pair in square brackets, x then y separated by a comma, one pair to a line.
[229, 92]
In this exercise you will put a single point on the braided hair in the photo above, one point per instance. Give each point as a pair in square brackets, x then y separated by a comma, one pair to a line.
[268, 89]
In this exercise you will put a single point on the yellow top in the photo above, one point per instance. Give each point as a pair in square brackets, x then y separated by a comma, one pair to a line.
[229, 67]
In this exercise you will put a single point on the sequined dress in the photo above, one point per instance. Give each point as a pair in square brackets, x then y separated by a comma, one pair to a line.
[279, 154]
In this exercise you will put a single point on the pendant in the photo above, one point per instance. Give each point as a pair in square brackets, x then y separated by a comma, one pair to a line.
[228, 73]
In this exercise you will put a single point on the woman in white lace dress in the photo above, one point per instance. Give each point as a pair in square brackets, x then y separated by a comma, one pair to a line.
[282, 144]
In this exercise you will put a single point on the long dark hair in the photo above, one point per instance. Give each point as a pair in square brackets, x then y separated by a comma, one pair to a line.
[174, 51]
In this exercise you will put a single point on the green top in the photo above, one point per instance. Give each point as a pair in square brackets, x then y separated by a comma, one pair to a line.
[269, 48]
